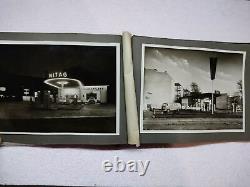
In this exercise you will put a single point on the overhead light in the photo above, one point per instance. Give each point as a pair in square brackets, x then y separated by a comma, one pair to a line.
[62, 82]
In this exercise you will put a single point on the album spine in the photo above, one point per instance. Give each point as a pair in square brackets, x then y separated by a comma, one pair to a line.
[130, 96]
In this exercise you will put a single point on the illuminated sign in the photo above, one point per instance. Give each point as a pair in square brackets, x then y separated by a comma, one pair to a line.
[103, 87]
[58, 75]
[26, 91]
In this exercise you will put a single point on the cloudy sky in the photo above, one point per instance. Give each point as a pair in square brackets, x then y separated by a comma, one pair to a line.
[186, 66]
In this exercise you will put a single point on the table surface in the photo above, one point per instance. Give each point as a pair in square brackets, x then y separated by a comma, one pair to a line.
[222, 164]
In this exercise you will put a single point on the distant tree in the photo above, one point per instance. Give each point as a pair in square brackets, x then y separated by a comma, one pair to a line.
[239, 85]
[177, 100]
[239, 100]
[195, 93]
[195, 87]
[217, 92]
[186, 92]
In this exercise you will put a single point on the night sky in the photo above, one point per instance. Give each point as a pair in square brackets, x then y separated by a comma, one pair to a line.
[27, 66]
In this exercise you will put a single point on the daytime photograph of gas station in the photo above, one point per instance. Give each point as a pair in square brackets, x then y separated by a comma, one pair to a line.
[190, 90]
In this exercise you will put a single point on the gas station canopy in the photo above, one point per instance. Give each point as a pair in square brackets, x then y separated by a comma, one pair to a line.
[63, 83]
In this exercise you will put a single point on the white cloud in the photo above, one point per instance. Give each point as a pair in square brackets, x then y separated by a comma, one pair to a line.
[187, 66]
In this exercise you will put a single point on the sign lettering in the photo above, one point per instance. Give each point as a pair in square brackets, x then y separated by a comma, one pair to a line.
[58, 75]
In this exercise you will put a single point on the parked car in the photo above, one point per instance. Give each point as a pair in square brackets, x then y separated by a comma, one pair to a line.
[171, 107]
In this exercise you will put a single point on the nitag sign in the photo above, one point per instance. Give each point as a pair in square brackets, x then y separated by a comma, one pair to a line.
[57, 75]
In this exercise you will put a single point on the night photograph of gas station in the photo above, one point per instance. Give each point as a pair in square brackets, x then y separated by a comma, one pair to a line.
[58, 88]
[193, 90]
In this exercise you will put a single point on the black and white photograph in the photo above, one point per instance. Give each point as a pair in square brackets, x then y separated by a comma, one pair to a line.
[191, 90]
[59, 87]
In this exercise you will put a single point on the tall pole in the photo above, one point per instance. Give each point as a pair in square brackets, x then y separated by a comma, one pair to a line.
[212, 96]
[213, 63]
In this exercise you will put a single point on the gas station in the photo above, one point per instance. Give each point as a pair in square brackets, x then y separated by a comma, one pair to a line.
[70, 90]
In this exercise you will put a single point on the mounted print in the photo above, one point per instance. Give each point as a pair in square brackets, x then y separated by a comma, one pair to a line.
[189, 89]
[61, 86]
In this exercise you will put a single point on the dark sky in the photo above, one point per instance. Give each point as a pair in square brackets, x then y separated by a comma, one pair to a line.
[28, 65]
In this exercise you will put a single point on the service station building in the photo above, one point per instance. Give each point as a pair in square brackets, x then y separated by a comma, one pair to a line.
[69, 88]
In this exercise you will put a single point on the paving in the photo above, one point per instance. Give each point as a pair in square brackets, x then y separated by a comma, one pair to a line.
[24, 110]
[192, 124]
[22, 117]
[193, 121]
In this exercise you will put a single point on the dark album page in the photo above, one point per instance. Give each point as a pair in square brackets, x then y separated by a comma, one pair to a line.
[191, 91]
[61, 89]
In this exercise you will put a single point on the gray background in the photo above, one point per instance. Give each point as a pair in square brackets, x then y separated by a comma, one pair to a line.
[224, 164]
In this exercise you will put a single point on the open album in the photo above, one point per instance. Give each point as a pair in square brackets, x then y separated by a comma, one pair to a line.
[111, 89]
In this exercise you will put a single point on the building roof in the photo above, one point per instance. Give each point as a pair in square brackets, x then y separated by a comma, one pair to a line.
[201, 95]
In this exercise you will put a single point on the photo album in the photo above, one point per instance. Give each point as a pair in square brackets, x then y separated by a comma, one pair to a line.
[58, 88]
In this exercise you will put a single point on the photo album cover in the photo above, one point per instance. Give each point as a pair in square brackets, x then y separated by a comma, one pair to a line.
[111, 89]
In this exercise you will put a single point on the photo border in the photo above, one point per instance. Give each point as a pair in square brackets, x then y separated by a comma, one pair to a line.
[145, 45]
[61, 43]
